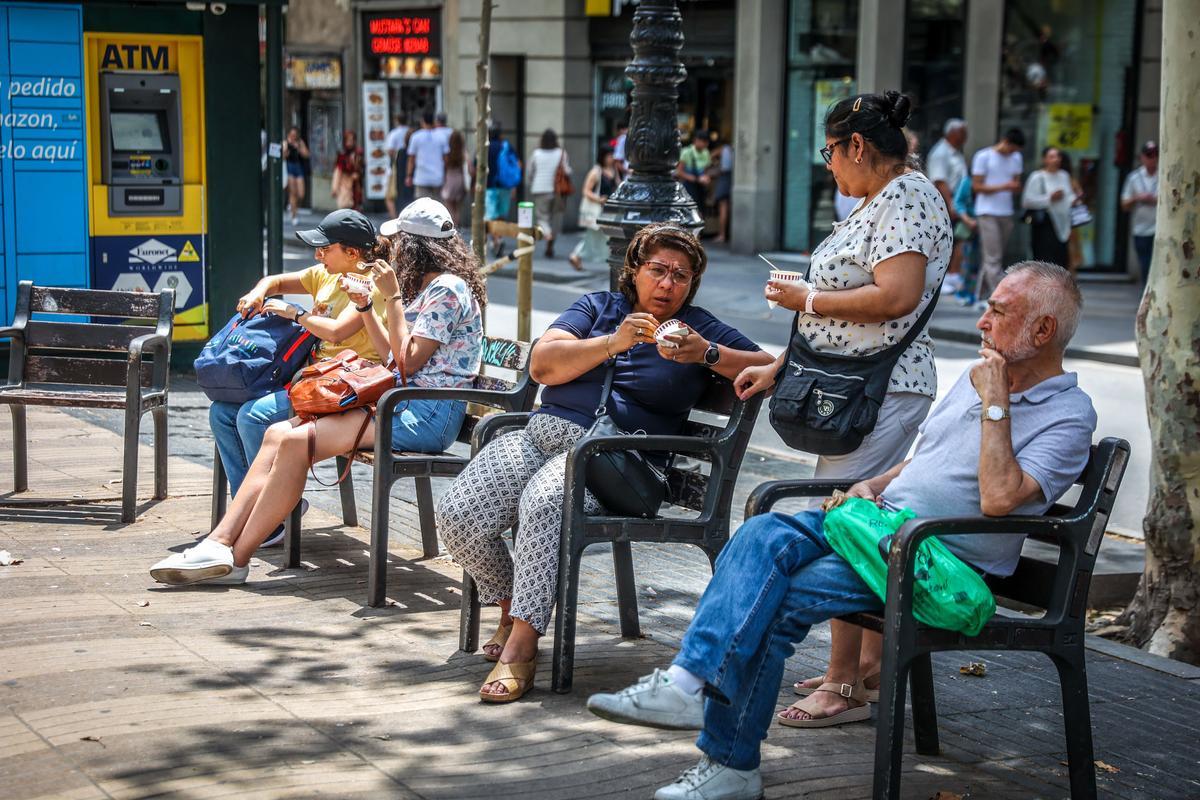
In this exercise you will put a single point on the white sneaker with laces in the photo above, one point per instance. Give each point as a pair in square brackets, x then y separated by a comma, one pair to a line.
[709, 780]
[654, 701]
[206, 560]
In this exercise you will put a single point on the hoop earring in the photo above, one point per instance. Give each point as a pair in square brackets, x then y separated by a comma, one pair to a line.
[858, 160]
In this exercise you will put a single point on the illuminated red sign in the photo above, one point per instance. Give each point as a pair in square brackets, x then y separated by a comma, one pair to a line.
[407, 35]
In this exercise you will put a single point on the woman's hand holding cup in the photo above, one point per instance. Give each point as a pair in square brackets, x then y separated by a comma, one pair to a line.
[358, 287]
[636, 328]
[787, 289]
[681, 345]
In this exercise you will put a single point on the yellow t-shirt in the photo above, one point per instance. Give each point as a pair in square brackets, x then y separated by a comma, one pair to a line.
[330, 301]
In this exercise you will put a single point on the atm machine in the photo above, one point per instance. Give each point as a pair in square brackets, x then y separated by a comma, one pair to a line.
[142, 163]
[146, 168]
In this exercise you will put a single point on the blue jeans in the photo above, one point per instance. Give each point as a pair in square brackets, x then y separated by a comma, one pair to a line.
[427, 426]
[1144, 247]
[239, 429]
[775, 579]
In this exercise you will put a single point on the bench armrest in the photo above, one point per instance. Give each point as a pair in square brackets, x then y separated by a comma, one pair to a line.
[766, 495]
[151, 342]
[12, 332]
[385, 407]
[492, 424]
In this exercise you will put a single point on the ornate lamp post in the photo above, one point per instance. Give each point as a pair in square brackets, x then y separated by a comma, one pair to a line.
[651, 193]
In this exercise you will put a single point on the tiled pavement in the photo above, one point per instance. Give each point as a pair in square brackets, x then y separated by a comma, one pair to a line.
[290, 687]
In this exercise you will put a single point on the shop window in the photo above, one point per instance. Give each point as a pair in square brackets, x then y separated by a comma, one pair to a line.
[934, 42]
[822, 52]
[1066, 77]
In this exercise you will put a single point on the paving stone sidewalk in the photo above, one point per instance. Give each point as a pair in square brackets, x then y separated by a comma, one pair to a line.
[111, 687]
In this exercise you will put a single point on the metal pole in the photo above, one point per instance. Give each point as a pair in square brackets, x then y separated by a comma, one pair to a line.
[651, 193]
[274, 104]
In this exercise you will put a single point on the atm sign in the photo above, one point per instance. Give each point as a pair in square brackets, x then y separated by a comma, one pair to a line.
[136, 57]
[407, 35]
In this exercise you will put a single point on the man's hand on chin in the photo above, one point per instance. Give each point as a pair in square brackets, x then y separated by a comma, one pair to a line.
[989, 376]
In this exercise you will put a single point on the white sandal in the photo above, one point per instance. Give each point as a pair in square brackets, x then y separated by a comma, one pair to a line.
[853, 693]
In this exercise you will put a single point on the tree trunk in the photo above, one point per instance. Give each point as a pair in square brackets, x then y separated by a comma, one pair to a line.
[483, 118]
[1164, 616]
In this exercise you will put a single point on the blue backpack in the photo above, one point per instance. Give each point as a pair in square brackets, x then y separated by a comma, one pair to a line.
[252, 358]
[508, 167]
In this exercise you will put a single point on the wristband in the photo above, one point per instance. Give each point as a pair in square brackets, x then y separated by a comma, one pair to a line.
[607, 342]
[363, 309]
[394, 298]
[808, 303]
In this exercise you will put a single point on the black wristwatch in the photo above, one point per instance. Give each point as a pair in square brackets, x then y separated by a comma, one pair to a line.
[712, 355]
[300, 313]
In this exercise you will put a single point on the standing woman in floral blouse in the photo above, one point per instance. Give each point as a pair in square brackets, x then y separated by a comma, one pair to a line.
[871, 277]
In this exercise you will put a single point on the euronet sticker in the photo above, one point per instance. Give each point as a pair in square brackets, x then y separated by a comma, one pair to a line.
[152, 251]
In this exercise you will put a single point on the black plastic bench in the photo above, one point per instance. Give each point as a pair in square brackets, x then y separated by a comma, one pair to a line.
[1077, 530]
[88, 364]
[720, 442]
[489, 391]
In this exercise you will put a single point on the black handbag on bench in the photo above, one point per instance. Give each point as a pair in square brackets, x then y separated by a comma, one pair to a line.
[826, 403]
[624, 481]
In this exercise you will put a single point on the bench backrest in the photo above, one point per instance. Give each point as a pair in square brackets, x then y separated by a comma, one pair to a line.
[1062, 589]
[82, 351]
[721, 416]
[505, 370]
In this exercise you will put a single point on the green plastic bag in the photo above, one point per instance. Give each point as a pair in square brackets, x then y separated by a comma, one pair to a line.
[946, 592]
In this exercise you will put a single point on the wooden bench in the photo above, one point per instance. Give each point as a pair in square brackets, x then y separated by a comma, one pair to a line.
[86, 364]
[1077, 531]
[489, 392]
[715, 441]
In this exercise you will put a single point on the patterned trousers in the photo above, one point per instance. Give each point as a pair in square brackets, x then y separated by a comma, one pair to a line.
[517, 477]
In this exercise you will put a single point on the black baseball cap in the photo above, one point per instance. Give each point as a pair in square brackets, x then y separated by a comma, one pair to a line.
[344, 226]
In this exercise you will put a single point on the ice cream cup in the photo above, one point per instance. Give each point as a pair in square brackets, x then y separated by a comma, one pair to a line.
[362, 281]
[670, 327]
[787, 276]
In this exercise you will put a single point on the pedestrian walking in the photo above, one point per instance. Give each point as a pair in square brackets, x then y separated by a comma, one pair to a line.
[600, 182]
[946, 166]
[427, 151]
[1047, 201]
[503, 178]
[723, 192]
[395, 145]
[996, 177]
[692, 169]
[457, 176]
[966, 236]
[442, 128]
[346, 186]
[544, 164]
[1139, 197]
[619, 149]
[295, 156]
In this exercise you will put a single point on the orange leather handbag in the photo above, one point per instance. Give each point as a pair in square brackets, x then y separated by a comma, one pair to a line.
[335, 385]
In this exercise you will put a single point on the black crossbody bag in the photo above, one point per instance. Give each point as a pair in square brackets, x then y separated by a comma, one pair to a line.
[624, 481]
[826, 403]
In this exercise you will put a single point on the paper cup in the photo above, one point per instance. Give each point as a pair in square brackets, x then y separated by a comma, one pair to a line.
[361, 281]
[670, 327]
[786, 276]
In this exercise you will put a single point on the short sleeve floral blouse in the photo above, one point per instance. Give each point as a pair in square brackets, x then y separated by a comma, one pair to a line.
[907, 216]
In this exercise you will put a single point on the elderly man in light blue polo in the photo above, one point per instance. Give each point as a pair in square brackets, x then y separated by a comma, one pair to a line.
[1010, 437]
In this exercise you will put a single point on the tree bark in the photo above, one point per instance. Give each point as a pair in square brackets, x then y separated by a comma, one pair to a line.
[483, 118]
[1164, 616]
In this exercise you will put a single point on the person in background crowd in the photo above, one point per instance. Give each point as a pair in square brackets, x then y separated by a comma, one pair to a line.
[457, 176]
[543, 164]
[599, 183]
[346, 186]
[1139, 196]
[692, 169]
[427, 151]
[1047, 200]
[724, 190]
[497, 198]
[295, 153]
[1074, 247]
[996, 177]
[619, 149]
[395, 144]
[946, 166]
[442, 128]
[966, 233]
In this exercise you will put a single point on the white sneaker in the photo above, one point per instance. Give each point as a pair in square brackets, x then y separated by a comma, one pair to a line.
[235, 578]
[208, 559]
[654, 701]
[709, 780]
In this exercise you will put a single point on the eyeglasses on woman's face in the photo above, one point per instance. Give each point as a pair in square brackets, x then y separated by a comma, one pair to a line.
[827, 150]
[657, 270]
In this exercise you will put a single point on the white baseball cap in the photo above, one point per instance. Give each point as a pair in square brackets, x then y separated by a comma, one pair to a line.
[422, 217]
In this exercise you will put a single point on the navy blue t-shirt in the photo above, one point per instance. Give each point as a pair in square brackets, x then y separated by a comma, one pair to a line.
[650, 393]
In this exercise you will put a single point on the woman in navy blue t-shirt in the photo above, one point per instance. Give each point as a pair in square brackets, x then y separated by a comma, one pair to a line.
[519, 476]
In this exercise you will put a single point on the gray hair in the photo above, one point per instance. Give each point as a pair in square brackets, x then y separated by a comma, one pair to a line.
[1061, 300]
[953, 124]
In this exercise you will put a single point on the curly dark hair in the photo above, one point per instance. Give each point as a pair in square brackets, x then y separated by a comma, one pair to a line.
[654, 237]
[413, 257]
